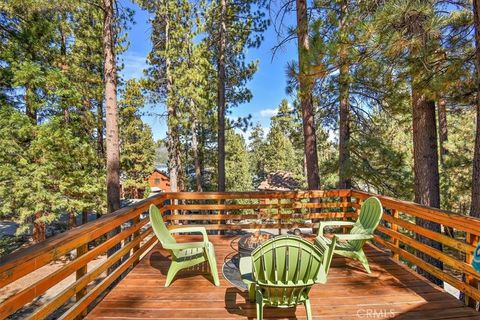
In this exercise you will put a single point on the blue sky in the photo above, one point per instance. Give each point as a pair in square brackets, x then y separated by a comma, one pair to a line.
[267, 85]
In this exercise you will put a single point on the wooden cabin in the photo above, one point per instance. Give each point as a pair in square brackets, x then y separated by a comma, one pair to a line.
[159, 181]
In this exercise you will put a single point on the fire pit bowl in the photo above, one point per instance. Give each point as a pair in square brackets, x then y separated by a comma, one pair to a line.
[246, 244]
[250, 241]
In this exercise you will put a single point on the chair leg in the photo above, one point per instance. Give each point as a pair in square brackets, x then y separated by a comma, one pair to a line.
[260, 304]
[172, 271]
[308, 309]
[251, 292]
[212, 262]
[363, 259]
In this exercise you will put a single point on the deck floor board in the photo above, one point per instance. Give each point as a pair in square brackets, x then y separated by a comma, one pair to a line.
[390, 292]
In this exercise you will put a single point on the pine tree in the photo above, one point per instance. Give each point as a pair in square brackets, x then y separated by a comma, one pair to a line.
[257, 154]
[475, 207]
[110, 74]
[305, 95]
[239, 176]
[232, 27]
[137, 148]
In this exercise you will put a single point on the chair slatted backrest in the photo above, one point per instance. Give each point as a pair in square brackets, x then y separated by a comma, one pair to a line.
[286, 267]
[159, 226]
[368, 220]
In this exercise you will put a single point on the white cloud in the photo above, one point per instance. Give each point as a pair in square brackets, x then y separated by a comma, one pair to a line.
[134, 64]
[268, 112]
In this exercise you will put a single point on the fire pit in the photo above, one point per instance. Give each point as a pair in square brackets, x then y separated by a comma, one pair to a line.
[246, 245]
[249, 242]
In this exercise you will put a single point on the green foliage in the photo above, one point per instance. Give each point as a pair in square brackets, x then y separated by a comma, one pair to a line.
[237, 164]
[137, 148]
[45, 169]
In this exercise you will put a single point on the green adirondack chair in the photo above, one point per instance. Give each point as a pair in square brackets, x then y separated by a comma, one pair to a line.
[351, 245]
[282, 271]
[184, 255]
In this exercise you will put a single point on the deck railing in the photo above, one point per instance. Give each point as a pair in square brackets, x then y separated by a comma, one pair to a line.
[90, 241]
[220, 211]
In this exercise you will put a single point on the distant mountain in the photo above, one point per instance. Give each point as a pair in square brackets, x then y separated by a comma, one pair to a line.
[161, 152]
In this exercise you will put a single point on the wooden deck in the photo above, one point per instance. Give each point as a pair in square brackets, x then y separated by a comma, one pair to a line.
[390, 292]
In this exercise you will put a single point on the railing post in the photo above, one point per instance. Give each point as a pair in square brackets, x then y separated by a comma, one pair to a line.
[279, 220]
[358, 203]
[80, 273]
[394, 227]
[469, 279]
[219, 214]
[136, 234]
[344, 210]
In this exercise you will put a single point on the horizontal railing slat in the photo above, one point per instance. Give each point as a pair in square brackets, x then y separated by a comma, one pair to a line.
[216, 217]
[258, 195]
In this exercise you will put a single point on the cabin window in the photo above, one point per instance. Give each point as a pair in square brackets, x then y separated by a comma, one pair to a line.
[156, 181]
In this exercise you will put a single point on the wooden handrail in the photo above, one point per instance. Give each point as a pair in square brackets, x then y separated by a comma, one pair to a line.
[24, 262]
[225, 211]
[403, 214]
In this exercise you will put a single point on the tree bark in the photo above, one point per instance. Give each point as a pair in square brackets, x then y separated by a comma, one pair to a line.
[425, 156]
[30, 108]
[39, 228]
[196, 155]
[344, 172]
[72, 221]
[475, 206]
[100, 127]
[64, 65]
[221, 97]
[112, 141]
[172, 132]
[110, 74]
[84, 216]
[442, 128]
[305, 95]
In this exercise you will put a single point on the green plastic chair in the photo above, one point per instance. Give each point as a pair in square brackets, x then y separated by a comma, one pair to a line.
[184, 255]
[351, 245]
[282, 271]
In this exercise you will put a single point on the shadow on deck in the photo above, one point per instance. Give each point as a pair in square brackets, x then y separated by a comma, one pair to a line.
[392, 291]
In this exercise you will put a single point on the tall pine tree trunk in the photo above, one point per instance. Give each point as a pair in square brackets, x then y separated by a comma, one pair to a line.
[442, 140]
[222, 42]
[475, 207]
[113, 146]
[442, 128]
[99, 130]
[110, 74]
[345, 181]
[195, 151]
[30, 108]
[39, 228]
[172, 132]
[63, 64]
[425, 157]
[306, 101]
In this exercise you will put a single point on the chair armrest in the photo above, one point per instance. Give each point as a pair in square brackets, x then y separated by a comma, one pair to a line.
[202, 230]
[185, 245]
[348, 237]
[324, 224]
